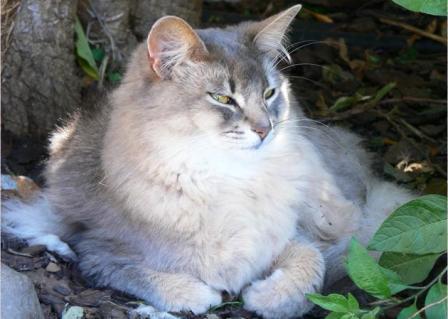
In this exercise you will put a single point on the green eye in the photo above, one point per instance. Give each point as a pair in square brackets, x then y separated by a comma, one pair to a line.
[269, 93]
[223, 99]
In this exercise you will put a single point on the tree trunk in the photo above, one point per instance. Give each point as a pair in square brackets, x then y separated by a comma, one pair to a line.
[39, 75]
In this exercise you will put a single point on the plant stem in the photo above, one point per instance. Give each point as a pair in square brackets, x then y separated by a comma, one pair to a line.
[422, 290]
[428, 306]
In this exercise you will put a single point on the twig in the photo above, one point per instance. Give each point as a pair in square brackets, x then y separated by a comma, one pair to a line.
[428, 306]
[417, 132]
[412, 99]
[18, 253]
[368, 106]
[116, 54]
[355, 111]
[424, 288]
[415, 30]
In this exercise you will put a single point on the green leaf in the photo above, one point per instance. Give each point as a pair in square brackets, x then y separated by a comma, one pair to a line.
[352, 303]
[365, 272]
[114, 77]
[332, 302]
[435, 294]
[334, 315]
[417, 227]
[98, 54]
[393, 281]
[407, 312]
[372, 314]
[434, 7]
[383, 92]
[84, 53]
[343, 103]
[410, 268]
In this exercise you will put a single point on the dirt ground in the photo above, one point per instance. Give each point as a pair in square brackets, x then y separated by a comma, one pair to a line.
[352, 68]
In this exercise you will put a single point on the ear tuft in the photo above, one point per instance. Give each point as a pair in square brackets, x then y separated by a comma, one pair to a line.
[171, 41]
[270, 34]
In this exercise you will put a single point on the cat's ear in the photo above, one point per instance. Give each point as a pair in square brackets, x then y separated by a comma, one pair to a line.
[171, 41]
[269, 35]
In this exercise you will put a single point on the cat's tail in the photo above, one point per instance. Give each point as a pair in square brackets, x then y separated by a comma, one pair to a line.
[382, 199]
[36, 223]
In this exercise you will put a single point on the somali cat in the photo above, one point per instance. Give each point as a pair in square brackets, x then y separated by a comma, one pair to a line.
[200, 174]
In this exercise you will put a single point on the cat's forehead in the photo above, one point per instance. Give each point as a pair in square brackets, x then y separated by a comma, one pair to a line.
[245, 67]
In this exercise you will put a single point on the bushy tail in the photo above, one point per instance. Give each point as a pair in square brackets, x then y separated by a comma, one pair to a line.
[36, 223]
[382, 199]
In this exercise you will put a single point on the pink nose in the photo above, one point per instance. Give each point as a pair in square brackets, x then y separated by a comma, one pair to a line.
[262, 130]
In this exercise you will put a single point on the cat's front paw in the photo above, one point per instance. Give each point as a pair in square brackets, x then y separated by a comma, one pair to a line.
[278, 297]
[188, 295]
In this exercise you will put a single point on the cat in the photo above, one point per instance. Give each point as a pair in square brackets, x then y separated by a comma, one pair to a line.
[201, 174]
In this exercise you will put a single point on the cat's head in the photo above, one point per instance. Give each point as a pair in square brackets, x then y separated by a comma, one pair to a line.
[221, 84]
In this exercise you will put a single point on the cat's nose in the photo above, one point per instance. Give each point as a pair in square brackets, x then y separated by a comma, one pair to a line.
[262, 130]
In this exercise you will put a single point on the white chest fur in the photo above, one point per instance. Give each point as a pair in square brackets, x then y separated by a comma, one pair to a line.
[224, 217]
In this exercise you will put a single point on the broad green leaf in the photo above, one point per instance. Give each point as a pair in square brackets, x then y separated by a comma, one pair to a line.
[352, 303]
[434, 7]
[410, 268]
[407, 312]
[332, 302]
[365, 272]
[393, 281]
[435, 294]
[372, 314]
[84, 53]
[334, 315]
[417, 227]
[349, 315]
[383, 91]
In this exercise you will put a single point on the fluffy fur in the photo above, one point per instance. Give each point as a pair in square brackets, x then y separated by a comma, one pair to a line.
[169, 195]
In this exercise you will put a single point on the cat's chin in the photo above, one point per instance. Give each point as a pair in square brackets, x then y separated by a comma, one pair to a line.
[244, 146]
[250, 144]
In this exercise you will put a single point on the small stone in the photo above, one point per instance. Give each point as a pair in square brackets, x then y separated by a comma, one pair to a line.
[63, 289]
[18, 297]
[74, 312]
[213, 316]
[149, 312]
[52, 267]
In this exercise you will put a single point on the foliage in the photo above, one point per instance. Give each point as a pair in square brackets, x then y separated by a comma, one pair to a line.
[345, 102]
[84, 54]
[411, 239]
[434, 7]
[90, 58]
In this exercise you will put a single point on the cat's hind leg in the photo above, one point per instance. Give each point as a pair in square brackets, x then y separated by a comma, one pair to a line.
[299, 270]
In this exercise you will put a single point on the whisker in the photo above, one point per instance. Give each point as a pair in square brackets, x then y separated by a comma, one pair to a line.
[303, 64]
[304, 46]
[307, 79]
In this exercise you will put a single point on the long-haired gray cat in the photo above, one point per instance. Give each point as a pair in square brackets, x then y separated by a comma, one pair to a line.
[201, 174]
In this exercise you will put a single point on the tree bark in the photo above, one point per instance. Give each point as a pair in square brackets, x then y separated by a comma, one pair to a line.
[39, 75]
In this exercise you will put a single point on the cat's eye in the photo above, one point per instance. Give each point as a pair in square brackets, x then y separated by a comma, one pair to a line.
[269, 93]
[223, 99]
